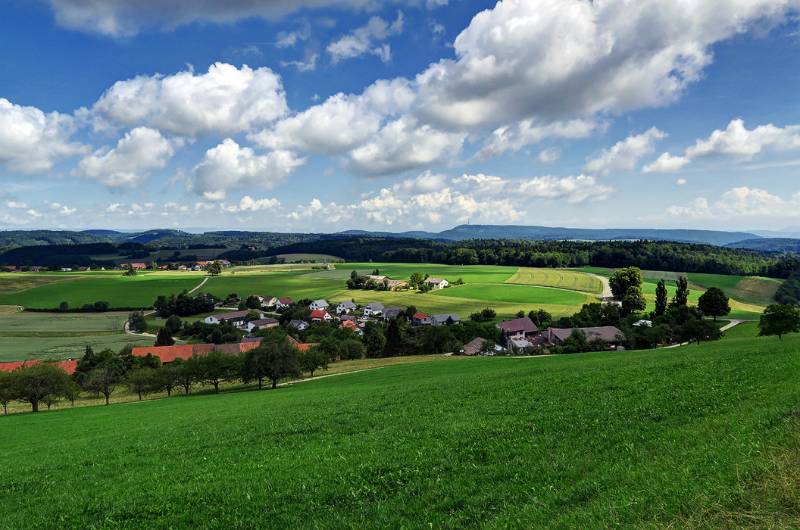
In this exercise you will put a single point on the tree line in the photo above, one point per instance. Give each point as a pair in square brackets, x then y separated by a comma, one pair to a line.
[100, 374]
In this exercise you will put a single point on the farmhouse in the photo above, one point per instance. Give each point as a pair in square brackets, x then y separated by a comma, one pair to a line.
[237, 318]
[68, 366]
[283, 303]
[263, 323]
[445, 320]
[608, 334]
[352, 326]
[477, 346]
[390, 313]
[345, 308]
[168, 354]
[319, 304]
[320, 315]
[519, 330]
[373, 309]
[421, 319]
[299, 325]
[268, 301]
[138, 266]
[437, 283]
[376, 278]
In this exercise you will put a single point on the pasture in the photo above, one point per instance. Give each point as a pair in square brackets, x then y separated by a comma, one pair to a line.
[701, 436]
[561, 278]
[61, 335]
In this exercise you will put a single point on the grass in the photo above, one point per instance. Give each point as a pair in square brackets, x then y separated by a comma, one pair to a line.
[62, 335]
[689, 437]
[84, 288]
[561, 278]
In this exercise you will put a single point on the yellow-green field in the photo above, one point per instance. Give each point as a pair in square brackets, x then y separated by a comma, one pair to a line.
[561, 278]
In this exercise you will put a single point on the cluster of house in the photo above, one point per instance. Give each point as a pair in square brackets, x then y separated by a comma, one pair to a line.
[521, 334]
[399, 285]
[198, 266]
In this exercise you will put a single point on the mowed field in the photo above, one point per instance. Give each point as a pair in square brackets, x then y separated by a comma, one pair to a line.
[749, 294]
[58, 336]
[695, 437]
[48, 290]
[562, 278]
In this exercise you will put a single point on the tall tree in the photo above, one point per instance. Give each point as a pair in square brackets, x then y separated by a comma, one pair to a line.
[8, 391]
[714, 302]
[217, 367]
[779, 319]
[35, 384]
[282, 362]
[681, 298]
[661, 297]
[626, 285]
[164, 337]
[142, 381]
[313, 359]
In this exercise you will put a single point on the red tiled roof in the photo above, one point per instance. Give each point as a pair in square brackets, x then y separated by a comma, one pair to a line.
[421, 316]
[167, 354]
[68, 366]
[319, 313]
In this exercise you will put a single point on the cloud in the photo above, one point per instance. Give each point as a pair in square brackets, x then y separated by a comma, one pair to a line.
[739, 202]
[528, 132]
[135, 156]
[666, 163]
[365, 38]
[355, 118]
[16, 205]
[32, 141]
[549, 155]
[681, 182]
[403, 145]
[736, 140]
[307, 65]
[119, 18]
[248, 204]
[553, 59]
[225, 100]
[61, 209]
[228, 166]
[624, 155]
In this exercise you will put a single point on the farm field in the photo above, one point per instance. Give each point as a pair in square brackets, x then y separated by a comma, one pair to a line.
[561, 278]
[694, 437]
[85, 288]
[61, 335]
[749, 295]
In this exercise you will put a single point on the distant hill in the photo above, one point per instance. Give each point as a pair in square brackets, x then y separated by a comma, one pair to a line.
[459, 233]
[776, 244]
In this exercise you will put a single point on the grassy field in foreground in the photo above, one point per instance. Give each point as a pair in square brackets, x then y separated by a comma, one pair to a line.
[61, 335]
[701, 436]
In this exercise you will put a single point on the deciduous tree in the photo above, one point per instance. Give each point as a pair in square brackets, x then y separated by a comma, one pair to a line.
[779, 319]
[714, 302]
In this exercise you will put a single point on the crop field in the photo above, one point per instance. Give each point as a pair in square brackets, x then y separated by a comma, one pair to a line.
[85, 288]
[749, 295]
[519, 294]
[694, 437]
[61, 335]
[561, 278]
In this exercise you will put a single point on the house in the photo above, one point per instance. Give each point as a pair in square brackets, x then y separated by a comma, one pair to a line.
[477, 346]
[283, 303]
[445, 319]
[345, 308]
[168, 354]
[138, 266]
[396, 285]
[268, 301]
[643, 324]
[237, 318]
[320, 315]
[608, 334]
[519, 330]
[262, 323]
[437, 283]
[373, 309]
[316, 305]
[299, 325]
[352, 326]
[68, 366]
[421, 319]
[390, 313]
[376, 278]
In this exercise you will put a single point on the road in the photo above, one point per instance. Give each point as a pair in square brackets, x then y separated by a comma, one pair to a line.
[606, 286]
[730, 325]
[127, 326]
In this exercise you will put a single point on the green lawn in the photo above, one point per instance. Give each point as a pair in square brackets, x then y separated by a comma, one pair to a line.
[61, 335]
[703, 436]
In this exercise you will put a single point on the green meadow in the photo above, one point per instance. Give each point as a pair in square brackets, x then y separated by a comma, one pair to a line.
[25, 335]
[695, 437]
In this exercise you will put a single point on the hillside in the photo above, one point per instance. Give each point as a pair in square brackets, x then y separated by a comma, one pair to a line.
[693, 437]
[776, 244]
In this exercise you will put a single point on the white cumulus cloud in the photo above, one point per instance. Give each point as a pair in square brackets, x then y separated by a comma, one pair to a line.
[364, 40]
[624, 155]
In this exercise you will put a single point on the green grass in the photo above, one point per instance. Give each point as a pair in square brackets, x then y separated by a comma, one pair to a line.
[519, 294]
[561, 278]
[84, 288]
[676, 438]
[61, 335]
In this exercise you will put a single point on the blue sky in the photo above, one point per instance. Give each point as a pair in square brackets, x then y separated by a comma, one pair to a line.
[324, 115]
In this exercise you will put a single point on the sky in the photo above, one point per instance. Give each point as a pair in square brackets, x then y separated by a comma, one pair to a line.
[328, 115]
